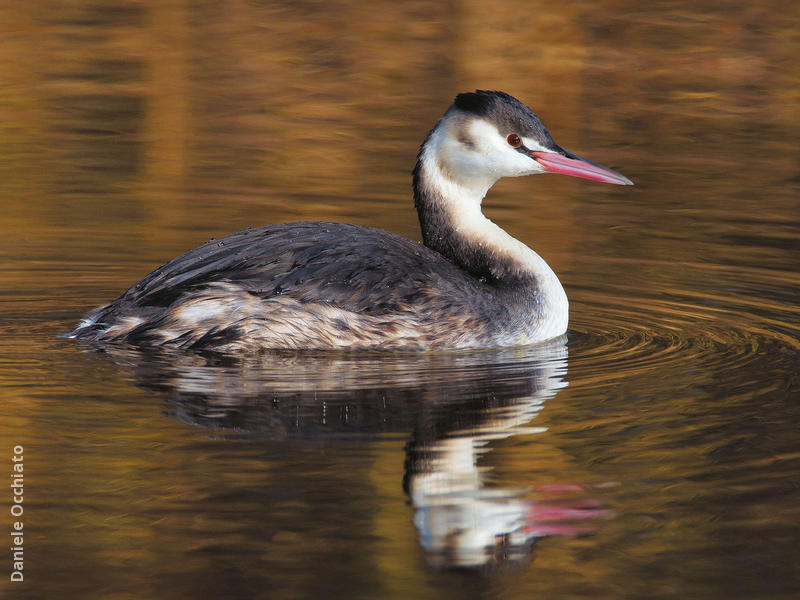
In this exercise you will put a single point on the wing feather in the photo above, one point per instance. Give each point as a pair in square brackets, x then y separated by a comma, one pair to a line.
[356, 268]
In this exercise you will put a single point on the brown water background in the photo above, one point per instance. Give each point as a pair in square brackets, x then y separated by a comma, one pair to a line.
[132, 131]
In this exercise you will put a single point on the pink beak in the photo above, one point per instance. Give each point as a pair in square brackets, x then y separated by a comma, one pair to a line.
[576, 166]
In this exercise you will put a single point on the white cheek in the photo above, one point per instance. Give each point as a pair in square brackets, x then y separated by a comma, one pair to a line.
[493, 152]
[518, 164]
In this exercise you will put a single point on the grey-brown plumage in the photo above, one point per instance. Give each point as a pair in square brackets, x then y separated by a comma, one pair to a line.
[316, 285]
[303, 285]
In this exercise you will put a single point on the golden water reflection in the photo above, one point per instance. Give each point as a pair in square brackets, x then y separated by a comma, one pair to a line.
[455, 405]
[131, 132]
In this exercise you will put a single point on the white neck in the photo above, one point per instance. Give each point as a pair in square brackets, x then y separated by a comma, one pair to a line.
[456, 227]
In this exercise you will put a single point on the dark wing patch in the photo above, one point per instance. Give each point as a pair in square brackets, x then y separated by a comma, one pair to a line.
[360, 269]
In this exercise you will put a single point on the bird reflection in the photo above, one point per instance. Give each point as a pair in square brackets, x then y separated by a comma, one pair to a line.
[454, 405]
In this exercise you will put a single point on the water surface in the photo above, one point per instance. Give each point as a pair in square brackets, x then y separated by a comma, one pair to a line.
[651, 453]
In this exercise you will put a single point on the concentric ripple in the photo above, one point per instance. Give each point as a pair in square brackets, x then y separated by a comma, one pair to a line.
[616, 332]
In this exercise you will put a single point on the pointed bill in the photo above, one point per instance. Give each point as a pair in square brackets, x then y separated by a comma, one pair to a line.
[575, 166]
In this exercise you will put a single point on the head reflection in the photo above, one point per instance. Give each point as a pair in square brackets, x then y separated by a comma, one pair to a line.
[454, 406]
[462, 520]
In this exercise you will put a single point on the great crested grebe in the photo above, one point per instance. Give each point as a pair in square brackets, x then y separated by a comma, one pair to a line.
[313, 285]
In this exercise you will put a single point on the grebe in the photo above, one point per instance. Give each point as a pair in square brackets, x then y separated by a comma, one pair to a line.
[313, 285]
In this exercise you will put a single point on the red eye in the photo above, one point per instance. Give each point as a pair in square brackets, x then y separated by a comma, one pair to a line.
[514, 140]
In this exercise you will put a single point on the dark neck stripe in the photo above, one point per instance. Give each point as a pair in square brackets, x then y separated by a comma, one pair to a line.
[439, 234]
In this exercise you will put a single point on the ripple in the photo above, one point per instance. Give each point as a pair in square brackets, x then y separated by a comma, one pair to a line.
[619, 332]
